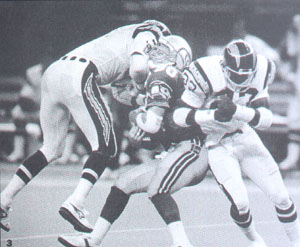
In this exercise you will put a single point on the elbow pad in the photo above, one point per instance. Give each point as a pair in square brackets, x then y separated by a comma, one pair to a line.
[149, 122]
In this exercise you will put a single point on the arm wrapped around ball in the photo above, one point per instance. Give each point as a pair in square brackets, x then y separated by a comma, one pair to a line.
[259, 118]
[186, 117]
[225, 109]
[149, 121]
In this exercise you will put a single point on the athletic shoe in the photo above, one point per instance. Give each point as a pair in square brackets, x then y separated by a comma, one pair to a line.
[76, 241]
[76, 216]
[4, 221]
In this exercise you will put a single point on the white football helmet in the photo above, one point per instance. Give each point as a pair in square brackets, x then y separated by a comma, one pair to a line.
[173, 50]
[239, 64]
[163, 28]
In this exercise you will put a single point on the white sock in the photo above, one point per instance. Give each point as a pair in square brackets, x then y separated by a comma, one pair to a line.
[81, 192]
[100, 230]
[292, 230]
[11, 190]
[177, 232]
[251, 233]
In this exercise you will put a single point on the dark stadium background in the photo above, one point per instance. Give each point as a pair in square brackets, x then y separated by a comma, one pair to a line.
[30, 30]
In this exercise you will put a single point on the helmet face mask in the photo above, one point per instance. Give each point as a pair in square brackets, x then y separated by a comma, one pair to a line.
[173, 50]
[239, 64]
[162, 53]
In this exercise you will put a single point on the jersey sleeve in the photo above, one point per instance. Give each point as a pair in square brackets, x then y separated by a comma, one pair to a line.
[161, 87]
[196, 87]
[268, 80]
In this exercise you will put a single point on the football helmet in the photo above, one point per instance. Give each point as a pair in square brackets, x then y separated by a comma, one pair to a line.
[173, 50]
[239, 64]
[163, 28]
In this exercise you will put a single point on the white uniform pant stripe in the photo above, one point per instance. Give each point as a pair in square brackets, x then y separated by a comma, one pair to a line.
[179, 172]
[168, 178]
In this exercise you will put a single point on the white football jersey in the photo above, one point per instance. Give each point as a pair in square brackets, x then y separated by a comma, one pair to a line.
[205, 82]
[111, 52]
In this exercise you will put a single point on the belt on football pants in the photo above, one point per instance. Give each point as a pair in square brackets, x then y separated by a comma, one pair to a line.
[238, 131]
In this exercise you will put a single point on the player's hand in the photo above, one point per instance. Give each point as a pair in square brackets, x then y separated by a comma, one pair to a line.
[135, 135]
[225, 109]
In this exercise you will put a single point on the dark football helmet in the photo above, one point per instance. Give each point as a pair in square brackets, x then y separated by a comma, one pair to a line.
[239, 63]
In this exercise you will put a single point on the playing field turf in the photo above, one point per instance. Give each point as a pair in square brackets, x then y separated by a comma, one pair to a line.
[35, 221]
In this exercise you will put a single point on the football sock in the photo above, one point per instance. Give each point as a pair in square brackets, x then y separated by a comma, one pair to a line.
[251, 233]
[178, 233]
[30, 168]
[288, 218]
[114, 205]
[81, 192]
[94, 167]
[242, 220]
[166, 207]
[100, 230]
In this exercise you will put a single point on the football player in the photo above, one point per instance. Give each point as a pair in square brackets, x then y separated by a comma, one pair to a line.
[228, 97]
[71, 86]
[184, 163]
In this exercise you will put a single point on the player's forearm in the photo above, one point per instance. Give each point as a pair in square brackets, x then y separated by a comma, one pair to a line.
[185, 117]
[150, 121]
[125, 97]
[260, 118]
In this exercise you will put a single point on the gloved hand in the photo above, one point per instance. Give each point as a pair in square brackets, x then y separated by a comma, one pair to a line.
[225, 109]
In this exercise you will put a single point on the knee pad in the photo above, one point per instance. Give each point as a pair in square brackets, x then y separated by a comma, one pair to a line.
[281, 200]
[166, 207]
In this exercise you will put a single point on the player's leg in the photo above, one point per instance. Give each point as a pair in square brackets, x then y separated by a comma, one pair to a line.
[135, 180]
[169, 177]
[92, 116]
[261, 168]
[54, 130]
[226, 170]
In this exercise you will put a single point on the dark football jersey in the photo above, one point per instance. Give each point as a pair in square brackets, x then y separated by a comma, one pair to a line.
[163, 89]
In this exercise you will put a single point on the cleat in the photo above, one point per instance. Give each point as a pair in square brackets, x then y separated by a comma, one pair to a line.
[75, 216]
[76, 241]
[4, 223]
